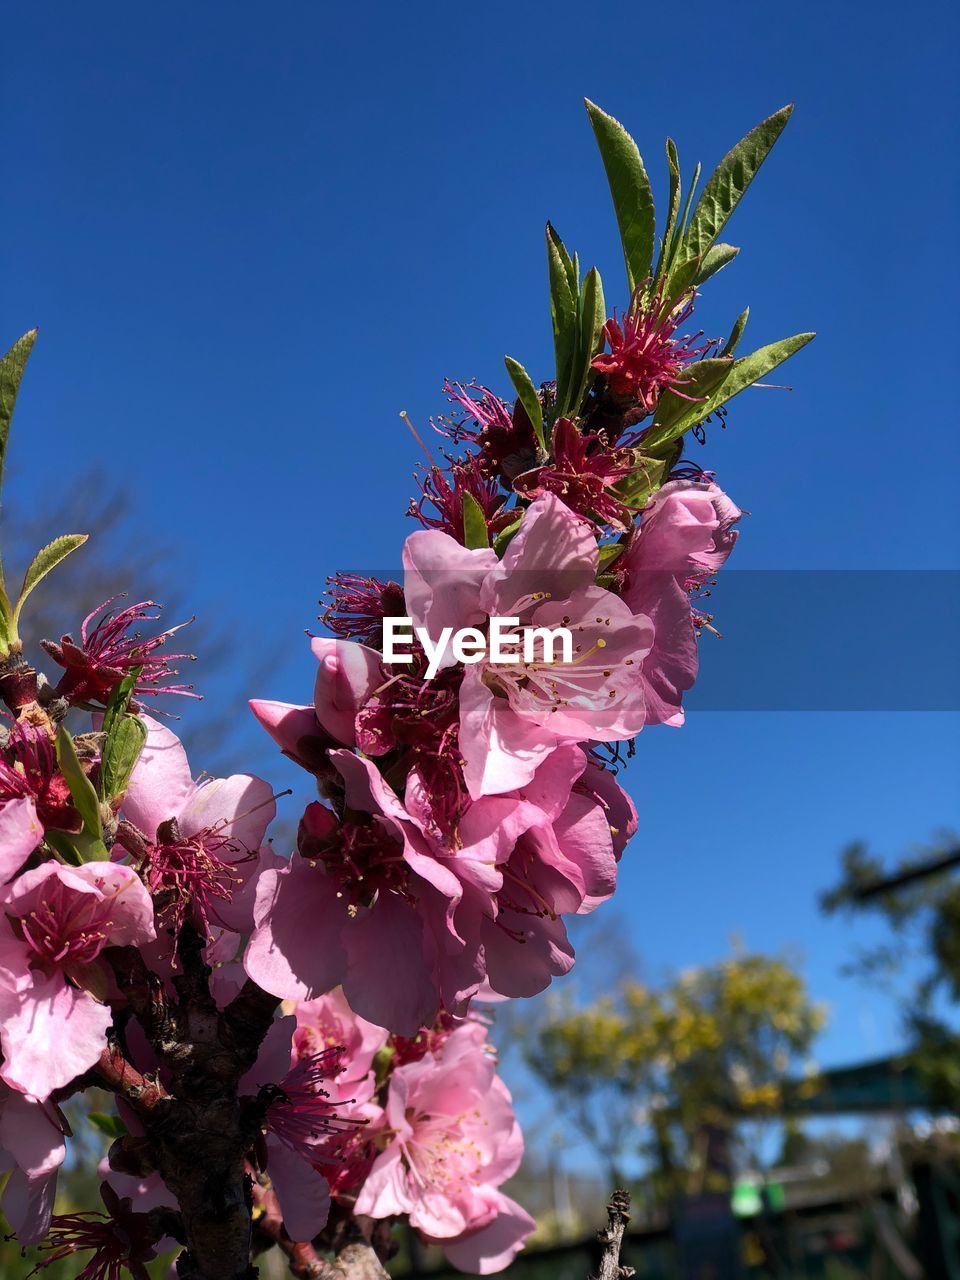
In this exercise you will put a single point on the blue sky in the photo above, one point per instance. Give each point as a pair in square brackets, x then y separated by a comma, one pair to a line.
[251, 237]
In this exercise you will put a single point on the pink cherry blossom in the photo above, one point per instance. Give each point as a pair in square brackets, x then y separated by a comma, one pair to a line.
[512, 715]
[202, 838]
[32, 1148]
[451, 1140]
[685, 536]
[56, 920]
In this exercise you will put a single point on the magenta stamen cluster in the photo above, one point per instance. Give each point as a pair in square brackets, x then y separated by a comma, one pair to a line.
[107, 653]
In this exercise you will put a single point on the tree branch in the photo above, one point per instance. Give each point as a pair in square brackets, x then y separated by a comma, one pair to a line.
[611, 1237]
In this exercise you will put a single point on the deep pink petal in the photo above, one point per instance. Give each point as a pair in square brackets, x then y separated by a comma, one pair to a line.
[50, 1035]
[295, 951]
[495, 1246]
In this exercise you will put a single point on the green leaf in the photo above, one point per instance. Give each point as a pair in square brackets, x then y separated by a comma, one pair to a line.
[47, 558]
[119, 700]
[637, 489]
[744, 372]
[527, 393]
[563, 312]
[475, 531]
[77, 849]
[502, 540]
[736, 333]
[109, 1124]
[714, 260]
[81, 788]
[730, 179]
[591, 317]
[609, 553]
[630, 188]
[699, 381]
[666, 244]
[11, 371]
[121, 750]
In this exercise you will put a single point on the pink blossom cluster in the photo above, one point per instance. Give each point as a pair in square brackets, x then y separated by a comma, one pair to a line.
[292, 1035]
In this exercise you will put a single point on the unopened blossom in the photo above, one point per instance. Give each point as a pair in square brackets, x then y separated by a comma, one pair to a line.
[685, 535]
[32, 1149]
[201, 851]
[451, 1140]
[582, 471]
[108, 652]
[513, 714]
[54, 923]
[646, 357]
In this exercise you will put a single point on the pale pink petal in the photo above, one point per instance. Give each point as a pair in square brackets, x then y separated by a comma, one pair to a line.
[127, 910]
[20, 833]
[240, 807]
[28, 1205]
[384, 1193]
[441, 583]
[160, 784]
[347, 675]
[554, 553]
[295, 951]
[29, 1133]
[501, 751]
[583, 835]
[303, 1193]
[387, 980]
[494, 1246]
[50, 1035]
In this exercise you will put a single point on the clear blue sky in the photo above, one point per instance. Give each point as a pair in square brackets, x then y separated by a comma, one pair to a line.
[252, 234]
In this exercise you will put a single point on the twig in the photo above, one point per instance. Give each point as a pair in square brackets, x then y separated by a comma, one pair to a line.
[611, 1237]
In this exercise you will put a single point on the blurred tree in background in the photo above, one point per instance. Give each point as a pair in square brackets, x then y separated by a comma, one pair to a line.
[672, 1075]
[920, 963]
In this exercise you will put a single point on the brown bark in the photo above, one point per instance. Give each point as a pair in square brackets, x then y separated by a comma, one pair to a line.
[198, 1132]
[611, 1237]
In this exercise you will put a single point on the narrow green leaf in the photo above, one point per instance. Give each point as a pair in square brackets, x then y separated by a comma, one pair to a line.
[730, 179]
[475, 531]
[11, 372]
[592, 316]
[699, 380]
[680, 278]
[121, 750]
[563, 312]
[632, 195]
[503, 538]
[527, 393]
[569, 264]
[673, 168]
[745, 371]
[714, 260]
[47, 558]
[736, 333]
[119, 700]
[682, 220]
[81, 788]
